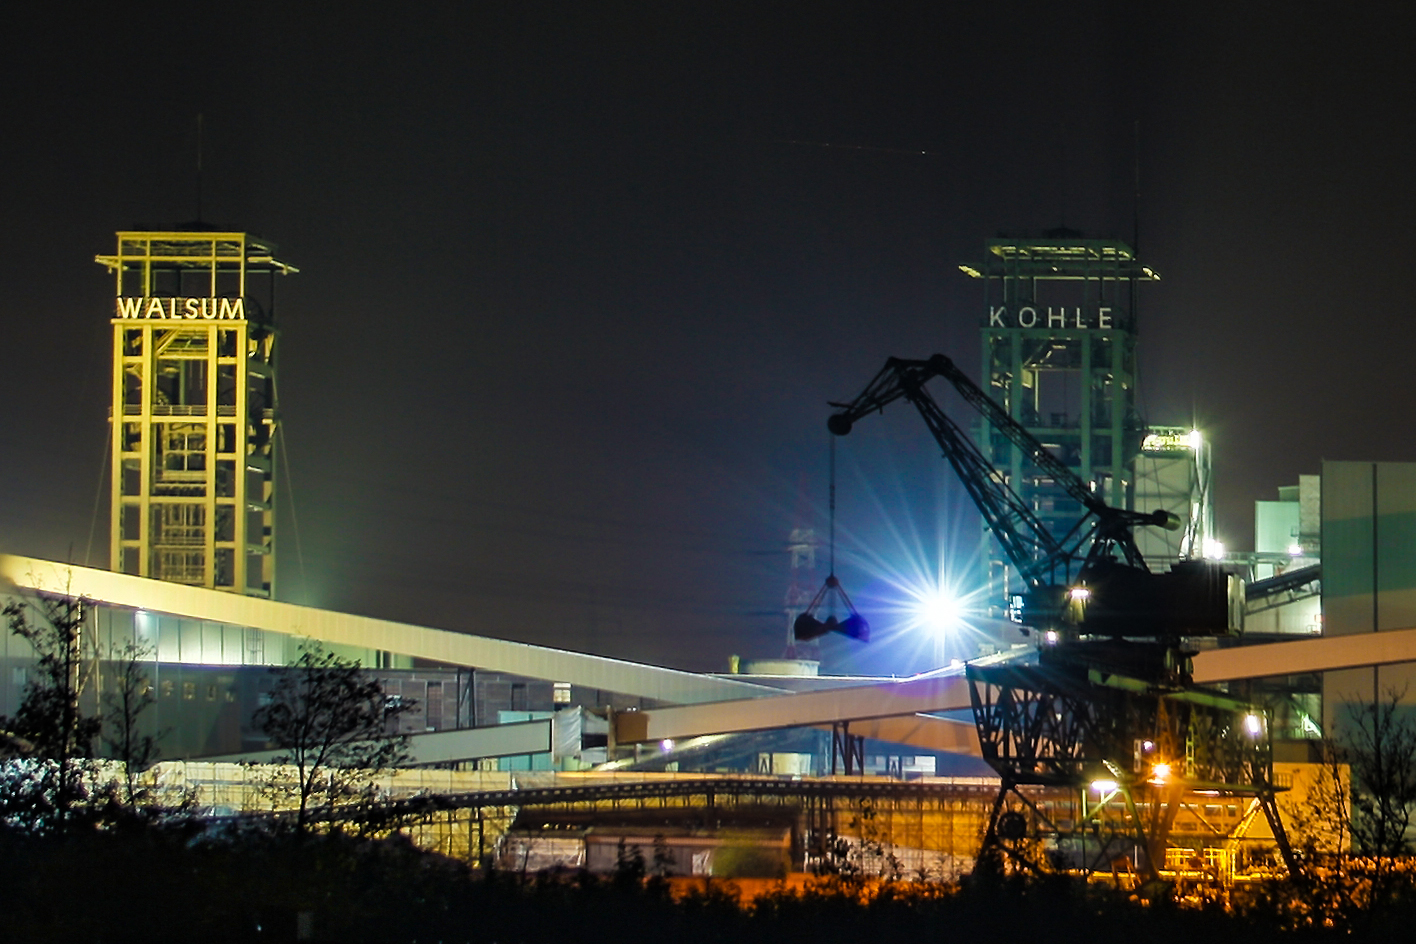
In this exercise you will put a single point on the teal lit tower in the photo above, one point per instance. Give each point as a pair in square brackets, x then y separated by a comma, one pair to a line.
[1059, 353]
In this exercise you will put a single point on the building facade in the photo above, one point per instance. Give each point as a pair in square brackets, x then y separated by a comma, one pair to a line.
[1172, 473]
[1369, 576]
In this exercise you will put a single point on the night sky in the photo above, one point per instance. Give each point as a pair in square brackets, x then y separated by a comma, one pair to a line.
[577, 281]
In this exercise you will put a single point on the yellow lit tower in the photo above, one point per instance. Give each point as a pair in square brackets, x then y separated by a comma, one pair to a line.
[194, 413]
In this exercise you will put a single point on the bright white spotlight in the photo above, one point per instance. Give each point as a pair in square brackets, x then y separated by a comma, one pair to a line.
[939, 612]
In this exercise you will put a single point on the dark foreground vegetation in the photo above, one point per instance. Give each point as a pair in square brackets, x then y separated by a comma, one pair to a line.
[140, 882]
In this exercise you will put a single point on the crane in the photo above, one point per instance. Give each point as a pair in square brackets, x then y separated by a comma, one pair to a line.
[1111, 699]
[1092, 581]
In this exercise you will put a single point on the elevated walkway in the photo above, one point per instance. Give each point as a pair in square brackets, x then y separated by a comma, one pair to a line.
[443, 747]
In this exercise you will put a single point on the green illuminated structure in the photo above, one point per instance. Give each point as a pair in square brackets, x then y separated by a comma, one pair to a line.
[1059, 353]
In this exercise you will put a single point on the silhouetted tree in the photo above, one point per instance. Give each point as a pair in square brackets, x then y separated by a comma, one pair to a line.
[630, 870]
[1378, 740]
[870, 856]
[51, 735]
[124, 705]
[335, 728]
[1320, 807]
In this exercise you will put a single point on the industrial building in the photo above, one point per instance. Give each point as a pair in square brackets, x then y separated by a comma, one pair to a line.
[192, 585]
[1368, 575]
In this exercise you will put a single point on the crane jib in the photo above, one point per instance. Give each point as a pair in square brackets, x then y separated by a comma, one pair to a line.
[1093, 579]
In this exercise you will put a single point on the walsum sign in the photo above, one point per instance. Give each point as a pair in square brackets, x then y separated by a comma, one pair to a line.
[182, 309]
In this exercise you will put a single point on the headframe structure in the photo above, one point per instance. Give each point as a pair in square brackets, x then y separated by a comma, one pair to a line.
[194, 413]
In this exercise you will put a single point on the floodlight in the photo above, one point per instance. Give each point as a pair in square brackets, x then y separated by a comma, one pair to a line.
[938, 612]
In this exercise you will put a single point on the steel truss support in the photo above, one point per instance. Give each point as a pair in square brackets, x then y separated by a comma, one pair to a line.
[1083, 729]
[849, 747]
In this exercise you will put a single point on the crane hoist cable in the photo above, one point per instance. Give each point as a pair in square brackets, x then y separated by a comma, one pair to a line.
[807, 625]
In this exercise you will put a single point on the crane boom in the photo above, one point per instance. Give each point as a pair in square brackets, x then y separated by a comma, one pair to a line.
[1093, 579]
[1090, 701]
[1030, 546]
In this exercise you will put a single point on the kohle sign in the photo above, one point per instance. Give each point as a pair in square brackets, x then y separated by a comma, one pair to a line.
[1051, 317]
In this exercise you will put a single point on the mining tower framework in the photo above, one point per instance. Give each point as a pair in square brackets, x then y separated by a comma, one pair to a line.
[1059, 355]
[194, 411]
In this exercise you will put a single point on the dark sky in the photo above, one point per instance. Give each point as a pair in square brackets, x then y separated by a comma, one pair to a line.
[577, 280]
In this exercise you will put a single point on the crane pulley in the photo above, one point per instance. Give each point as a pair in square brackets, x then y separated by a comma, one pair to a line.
[808, 626]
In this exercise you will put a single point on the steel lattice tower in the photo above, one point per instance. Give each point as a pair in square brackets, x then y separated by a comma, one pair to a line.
[194, 412]
[1059, 353]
